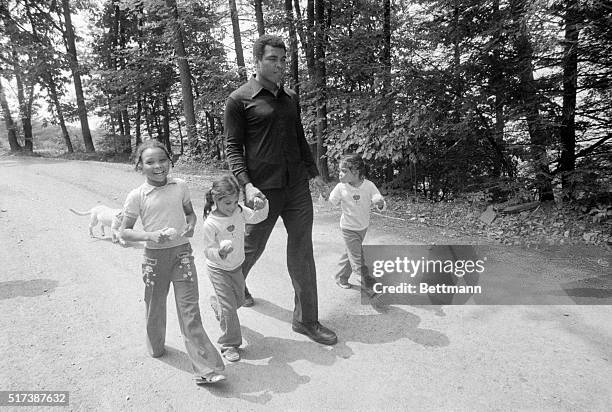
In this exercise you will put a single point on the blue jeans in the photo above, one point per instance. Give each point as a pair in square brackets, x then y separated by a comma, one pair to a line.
[294, 205]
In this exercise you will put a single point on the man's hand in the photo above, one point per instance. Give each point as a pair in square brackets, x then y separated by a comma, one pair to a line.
[250, 193]
[188, 229]
[321, 185]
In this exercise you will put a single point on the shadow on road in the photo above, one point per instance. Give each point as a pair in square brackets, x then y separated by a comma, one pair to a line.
[26, 288]
[177, 359]
[590, 291]
[265, 368]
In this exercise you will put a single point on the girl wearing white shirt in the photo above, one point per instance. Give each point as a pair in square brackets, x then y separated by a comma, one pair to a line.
[224, 251]
[356, 195]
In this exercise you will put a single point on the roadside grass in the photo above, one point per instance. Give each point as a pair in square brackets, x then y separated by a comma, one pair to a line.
[547, 225]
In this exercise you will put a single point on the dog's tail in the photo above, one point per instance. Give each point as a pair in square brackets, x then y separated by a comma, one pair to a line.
[76, 212]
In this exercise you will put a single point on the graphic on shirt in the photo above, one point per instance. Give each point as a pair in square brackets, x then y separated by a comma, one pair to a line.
[356, 198]
[231, 228]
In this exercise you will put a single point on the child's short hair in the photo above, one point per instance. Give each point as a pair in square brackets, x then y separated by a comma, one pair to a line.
[226, 185]
[150, 144]
[355, 162]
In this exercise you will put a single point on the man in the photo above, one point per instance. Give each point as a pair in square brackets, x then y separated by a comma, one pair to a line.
[268, 153]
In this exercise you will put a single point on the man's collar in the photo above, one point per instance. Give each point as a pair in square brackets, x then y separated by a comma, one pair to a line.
[257, 87]
[148, 188]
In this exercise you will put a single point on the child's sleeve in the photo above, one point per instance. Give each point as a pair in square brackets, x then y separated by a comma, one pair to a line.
[335, 197]
[255, 216]
[377, 197]
[131, 207]
[185, 191]
[211, 245]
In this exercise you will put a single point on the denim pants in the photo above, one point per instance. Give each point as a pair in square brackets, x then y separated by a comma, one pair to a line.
[294, 205]
[175, 265]
[351, 261]
[229, 291]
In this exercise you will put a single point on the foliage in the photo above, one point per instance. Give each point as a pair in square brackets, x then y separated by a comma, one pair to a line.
[473, 103]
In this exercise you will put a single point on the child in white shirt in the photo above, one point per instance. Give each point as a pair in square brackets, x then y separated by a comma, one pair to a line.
[224, 250]
[356, 195]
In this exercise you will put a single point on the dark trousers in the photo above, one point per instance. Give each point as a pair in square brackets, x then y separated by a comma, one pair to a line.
[294, 205]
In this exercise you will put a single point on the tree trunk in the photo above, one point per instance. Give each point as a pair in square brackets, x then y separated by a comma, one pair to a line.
[24, 113]
[387, 97]
[60, 113]
[237, 39]
[185, 76]
[538, 132]
[293, 47]
[497, 75]
[321, 86]
[178, 124]
[78, 86]
[570, 83]
[10, 124]
[309, 45]
[126, 143]
[138, 119]
[166, 123]
[259, 17]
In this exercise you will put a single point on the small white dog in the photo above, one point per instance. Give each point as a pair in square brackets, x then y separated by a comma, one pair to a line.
[106, 216]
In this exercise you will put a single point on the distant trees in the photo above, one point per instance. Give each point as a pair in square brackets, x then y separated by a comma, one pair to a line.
[440, 96]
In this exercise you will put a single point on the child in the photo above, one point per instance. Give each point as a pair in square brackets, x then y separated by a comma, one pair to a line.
[355, 194]
[224, 250]
[164, 206]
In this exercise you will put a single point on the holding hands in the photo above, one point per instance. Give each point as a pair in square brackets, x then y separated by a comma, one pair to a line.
[253, 197]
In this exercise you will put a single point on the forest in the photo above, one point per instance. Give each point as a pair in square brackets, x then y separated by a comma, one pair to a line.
[498, 99]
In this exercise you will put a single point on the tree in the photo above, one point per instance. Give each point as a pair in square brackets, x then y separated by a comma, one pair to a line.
[76, 76]
[538, 131]
[258, 17]
[237, 39]
[567, 162]
[322, 14]
[293, 47]
[185, 74]
[8, 121]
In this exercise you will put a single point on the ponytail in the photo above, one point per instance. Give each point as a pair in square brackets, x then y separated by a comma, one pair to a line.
[208, 204]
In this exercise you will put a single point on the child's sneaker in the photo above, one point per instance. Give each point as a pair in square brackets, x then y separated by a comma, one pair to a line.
[212, 377]
[231, 354]
[343, 284]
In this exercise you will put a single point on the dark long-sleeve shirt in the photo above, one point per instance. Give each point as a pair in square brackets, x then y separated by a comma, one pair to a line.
[264, 137]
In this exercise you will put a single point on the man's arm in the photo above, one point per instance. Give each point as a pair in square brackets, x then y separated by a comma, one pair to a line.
[234, 125]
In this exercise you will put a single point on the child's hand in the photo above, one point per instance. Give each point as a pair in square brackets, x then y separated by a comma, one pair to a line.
[225, 248]
[379, 202]
[158, 236]
[188, 230]
[258, 203]
[382, 206]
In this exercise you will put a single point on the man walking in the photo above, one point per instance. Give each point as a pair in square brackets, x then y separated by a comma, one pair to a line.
[268, 153]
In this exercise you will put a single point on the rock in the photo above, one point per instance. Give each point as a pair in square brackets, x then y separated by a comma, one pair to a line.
[488, 216]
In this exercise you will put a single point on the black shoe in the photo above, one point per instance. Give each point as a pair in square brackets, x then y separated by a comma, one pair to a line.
[248, 301]
[316, 332]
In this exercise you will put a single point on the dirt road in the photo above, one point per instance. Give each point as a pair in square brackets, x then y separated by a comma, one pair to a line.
[71, 318]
